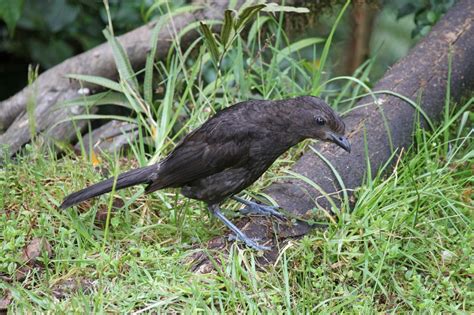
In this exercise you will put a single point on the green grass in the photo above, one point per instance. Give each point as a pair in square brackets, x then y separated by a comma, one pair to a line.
[407, 245]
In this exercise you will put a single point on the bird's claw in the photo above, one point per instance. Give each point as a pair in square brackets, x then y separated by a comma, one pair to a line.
[249, 242]
[262, 210]
[239, 235]
[253, 207]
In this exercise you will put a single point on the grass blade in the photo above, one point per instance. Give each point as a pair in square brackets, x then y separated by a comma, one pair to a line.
[104, 82]
[301, 44]
[325, 53]
[121, 60]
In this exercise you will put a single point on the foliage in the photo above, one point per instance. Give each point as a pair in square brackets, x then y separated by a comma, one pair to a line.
[426, 13]
[10, 12]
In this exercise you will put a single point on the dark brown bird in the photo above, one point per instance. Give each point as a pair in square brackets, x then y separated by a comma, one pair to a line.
[230, 151]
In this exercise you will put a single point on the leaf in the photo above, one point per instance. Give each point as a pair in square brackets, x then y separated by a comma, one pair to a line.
[148, 79]
[325, 53]
[247, 14]
[95, 116]
[274, 7]
[210, 42]
[10, 12]
[282, 54]
[107, 83]
[156, 7]
[104, 98]
[121, 60]
[35, 248]
[227, 27]
[60, 14]
[95, 159]
[150, 61]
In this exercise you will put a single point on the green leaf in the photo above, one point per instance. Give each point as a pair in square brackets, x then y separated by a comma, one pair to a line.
[325, 53]
[121, 60]
[107, 83]
[156, 6]
[148, 79]
[10, 12]
[227, 27]
[210, 42]
[94, 116]
[274, 7]
[431, 17]
[150, 61]
[247, 14]
[60, 14]
[285, 52]
[104, 98]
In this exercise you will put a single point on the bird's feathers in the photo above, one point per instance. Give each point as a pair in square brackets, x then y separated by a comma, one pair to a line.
[127, 179]
[201, 154]
[242, 139]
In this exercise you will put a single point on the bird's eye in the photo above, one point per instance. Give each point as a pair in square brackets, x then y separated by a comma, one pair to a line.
[320, 121]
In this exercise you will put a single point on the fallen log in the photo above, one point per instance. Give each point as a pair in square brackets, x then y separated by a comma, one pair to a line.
[110, 137]
[424, 71]
[52, 87]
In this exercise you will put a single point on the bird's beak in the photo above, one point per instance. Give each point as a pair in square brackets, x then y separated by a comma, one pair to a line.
[341, 141]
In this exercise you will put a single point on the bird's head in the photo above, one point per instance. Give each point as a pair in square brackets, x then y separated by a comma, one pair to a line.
[320, 121]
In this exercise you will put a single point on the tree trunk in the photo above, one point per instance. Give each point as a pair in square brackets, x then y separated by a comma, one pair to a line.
[363, 14]
[423, 72]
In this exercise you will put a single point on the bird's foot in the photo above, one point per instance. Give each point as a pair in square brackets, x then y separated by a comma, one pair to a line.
[253, 207]
[249, 242]
[214, 208]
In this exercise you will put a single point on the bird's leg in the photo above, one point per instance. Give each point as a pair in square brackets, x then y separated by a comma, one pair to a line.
[253, 207]
[214, 208]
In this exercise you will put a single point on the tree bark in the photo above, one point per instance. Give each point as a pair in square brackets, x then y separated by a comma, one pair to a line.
[113, 136]
[363, 14]
[52, 87]
[424, 71]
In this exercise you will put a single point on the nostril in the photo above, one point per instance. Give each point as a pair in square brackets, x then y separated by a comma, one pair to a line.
[341, 138]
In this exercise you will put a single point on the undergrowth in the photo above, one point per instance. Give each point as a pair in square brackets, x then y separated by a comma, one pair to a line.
[406, 246]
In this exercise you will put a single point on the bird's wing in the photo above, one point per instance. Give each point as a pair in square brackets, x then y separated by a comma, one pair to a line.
[206, 151]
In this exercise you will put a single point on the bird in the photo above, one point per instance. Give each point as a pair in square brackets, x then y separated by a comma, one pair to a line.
[229, 152]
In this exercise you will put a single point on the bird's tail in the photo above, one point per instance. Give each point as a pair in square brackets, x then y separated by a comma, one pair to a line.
[127, 179]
